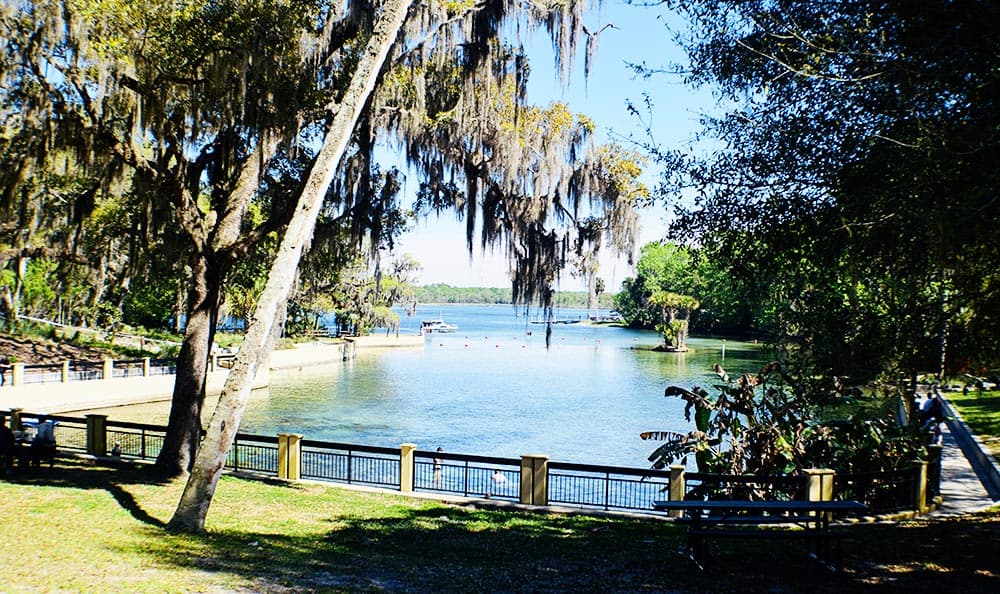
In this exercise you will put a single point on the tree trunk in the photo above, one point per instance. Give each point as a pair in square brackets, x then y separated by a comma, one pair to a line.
[198, 492]
[184, 425]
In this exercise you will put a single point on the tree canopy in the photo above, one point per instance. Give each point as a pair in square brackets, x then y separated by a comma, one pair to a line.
[855, 175]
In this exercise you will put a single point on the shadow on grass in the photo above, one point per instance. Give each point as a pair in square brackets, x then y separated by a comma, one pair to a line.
[451, 549]
[83, 474]
[425, 547]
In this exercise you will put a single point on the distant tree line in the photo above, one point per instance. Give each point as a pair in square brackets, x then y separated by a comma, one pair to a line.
[442, 293]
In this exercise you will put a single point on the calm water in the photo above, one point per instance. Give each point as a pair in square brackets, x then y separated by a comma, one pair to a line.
[492, 388]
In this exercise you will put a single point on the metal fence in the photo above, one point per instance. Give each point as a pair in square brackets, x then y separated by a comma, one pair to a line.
[128, 368]
[467, 475]
[882, 492]
[581, 485]
[606, 487]
[352, 464]
[748, 487]
[135, 439]
[44, 373]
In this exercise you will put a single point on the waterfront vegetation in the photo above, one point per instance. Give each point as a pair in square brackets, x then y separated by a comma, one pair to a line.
[99, 528]
[441, 293]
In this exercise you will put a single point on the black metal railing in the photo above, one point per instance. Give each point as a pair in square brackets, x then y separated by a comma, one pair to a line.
[257, 453]
[135, 439]
[882, 492]
[748, 487]
[606, 487]
[582, 485]
[467, 475]
[352, 464]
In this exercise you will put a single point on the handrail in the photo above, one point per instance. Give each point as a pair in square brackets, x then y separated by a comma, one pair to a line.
[471, 475]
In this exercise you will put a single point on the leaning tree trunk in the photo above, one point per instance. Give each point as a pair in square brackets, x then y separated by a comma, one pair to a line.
[197, 496]
[204, 299]
[184, 425]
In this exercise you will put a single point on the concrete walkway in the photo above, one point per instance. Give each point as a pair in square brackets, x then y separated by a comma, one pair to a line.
[62, 398]
[961, 489]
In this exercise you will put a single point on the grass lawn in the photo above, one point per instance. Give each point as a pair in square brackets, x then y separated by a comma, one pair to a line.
[90, 528]
[981, 411]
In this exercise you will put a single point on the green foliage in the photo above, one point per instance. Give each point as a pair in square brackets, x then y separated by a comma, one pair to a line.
[852, 194]
[666, 275]
[441, 293]
[38, 290]
[770, 424]
[150, 304]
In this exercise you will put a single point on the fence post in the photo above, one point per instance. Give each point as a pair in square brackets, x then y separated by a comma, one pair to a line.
[145, 367]
[17, 374]
[64, 376]
[289, 456]
[920, 486]
[934, 469]
[97, 437]
[534, 479]
[819, 484]
[677, 487]
[406, 467]
[15, 419]
[109, 369]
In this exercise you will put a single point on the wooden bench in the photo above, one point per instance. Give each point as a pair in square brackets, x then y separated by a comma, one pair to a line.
[809, 520]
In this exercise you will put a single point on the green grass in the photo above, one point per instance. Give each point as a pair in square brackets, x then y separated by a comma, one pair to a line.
[79, 527]
[981, 411]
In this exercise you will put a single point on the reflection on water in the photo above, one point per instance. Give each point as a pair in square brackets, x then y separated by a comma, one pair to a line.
[492, 388]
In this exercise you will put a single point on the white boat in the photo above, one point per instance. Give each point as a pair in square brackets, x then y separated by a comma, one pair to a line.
[430, 326]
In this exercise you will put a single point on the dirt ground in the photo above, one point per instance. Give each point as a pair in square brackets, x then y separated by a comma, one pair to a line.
[31, 352]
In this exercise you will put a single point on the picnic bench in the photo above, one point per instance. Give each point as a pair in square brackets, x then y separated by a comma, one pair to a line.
[809, 520]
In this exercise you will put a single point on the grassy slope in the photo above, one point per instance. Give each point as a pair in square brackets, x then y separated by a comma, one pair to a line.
[90, 528]
[981, 411]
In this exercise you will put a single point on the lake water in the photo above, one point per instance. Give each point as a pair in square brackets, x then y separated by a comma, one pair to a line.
[492, 388]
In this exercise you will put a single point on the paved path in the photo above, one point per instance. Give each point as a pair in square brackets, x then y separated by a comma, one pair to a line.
[961, 489]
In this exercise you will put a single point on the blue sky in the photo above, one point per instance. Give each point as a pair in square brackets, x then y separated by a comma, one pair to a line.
[639, 36]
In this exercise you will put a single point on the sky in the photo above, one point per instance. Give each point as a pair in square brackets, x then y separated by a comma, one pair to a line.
[639, 35]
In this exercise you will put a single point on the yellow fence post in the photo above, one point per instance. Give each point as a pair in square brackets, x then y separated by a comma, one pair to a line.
[17, 374]
[15, 419]
[920, 487]
[64, 377]
[820, 484]
[289, 456]
[406, 467]
[677, 488]
[534, 479]
[97, 437]
[145, 367]
[109, 369]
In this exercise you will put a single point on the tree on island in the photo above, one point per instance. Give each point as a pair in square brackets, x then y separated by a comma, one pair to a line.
[673, 329]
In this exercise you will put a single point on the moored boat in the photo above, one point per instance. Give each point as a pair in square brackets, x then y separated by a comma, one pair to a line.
[439, 326]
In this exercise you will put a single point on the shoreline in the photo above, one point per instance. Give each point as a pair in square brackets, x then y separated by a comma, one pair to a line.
[61, 398]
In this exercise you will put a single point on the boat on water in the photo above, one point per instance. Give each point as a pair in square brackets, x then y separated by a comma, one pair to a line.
[439, 326]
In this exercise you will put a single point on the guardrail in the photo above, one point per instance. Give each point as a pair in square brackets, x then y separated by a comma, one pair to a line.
[70, 371]
[532, 480]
